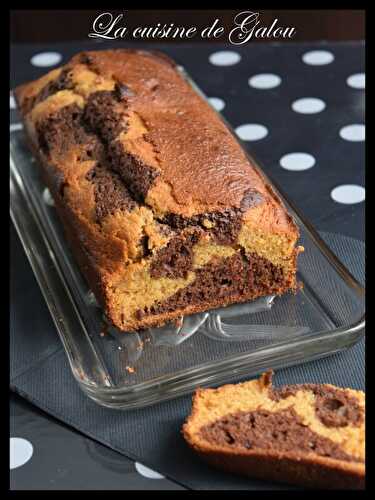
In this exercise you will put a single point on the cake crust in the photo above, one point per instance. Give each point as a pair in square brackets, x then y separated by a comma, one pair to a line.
[153, 190]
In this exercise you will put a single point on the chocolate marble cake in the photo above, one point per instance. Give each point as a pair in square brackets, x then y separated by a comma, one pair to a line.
[164, 211]
[309, 434]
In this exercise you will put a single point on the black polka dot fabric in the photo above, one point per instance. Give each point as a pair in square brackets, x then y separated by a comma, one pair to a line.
[299, 108]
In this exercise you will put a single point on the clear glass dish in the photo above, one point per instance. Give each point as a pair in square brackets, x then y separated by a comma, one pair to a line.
[124, 371]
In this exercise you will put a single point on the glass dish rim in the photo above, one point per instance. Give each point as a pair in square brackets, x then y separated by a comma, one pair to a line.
[173, 384]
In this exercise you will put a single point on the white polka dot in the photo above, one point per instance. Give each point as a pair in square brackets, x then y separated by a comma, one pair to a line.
[308, 105]
[348, 194]
[12, 102]
[251, 132]
[357, 81]
[146, 472]
[20, 452]
[45, 59]
[224, 58]
[217, 103]
[354, 133]
[264, 81]
[318, 57]
[297, 162]
[15, 126]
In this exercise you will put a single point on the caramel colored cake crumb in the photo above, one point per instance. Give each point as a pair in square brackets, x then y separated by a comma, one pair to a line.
[162, 207]
[310, 434]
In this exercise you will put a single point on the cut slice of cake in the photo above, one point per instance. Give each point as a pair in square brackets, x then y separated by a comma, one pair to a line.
[309, 434]
[163, 209]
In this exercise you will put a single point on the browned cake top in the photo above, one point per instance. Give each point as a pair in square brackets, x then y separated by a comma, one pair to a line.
[196, 155]
[187, 162]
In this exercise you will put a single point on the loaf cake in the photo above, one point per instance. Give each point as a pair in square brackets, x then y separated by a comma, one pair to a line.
[164, 211]
[310, 434]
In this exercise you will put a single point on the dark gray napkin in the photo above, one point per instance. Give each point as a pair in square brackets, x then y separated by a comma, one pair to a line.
[40, 373]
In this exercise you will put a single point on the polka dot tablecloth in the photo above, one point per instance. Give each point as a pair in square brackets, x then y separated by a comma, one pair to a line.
[300, 110]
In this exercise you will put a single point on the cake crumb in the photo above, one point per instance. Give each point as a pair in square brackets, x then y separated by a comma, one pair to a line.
[265, 379]
[105, 329]
[179, 321]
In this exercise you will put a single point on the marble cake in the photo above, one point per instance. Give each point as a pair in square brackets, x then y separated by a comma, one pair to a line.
[310, 434]
[164, 211]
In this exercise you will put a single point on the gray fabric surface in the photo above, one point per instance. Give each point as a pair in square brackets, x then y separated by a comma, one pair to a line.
[40, 373]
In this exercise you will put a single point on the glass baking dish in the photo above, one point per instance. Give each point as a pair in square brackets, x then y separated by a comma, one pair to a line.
[123, 371]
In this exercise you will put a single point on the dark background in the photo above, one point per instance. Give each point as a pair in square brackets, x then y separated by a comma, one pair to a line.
[41, 26]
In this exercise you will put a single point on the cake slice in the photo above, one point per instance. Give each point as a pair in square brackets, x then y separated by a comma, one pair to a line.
[310, 434]
[163, 209]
